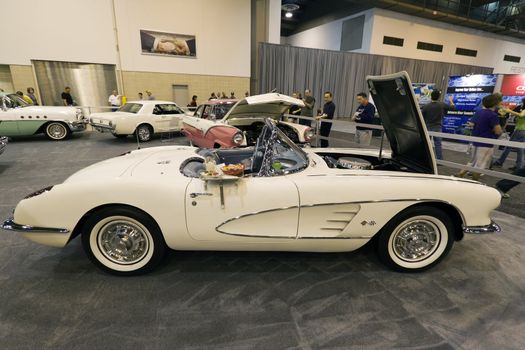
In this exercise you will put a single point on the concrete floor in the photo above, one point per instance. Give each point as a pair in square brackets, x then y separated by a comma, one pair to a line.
[55, 298]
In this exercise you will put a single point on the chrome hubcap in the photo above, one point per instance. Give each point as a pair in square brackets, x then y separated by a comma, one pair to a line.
[416, 240]
[56, 131]
[144, 134]
[123, 242]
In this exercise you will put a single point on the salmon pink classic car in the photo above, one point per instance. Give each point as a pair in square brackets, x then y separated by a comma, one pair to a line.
[243, 123]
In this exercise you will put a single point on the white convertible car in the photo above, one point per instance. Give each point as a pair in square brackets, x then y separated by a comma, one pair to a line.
[140, 118]
[129, 210]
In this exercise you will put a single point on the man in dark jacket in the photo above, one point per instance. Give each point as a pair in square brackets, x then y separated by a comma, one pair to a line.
[328, 113]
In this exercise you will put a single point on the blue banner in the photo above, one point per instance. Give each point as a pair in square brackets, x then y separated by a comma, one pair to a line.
[467, 93]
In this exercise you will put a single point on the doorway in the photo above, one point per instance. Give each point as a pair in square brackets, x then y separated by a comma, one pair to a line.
[181, 95]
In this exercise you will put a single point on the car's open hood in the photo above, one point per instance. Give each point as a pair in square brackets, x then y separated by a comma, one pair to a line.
[402, 120]
[265, 105]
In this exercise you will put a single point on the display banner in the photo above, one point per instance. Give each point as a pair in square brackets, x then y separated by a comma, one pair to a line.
[513, 85]
[467, 93]
[167, 44]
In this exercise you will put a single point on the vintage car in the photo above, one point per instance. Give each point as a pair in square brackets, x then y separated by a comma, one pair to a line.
[140, 118]
[243, 123]
[3, 143]
[130, 209]
[18, 118]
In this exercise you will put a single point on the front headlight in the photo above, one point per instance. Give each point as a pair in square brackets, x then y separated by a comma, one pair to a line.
[308, 134]
[39, 192]
[238, 138]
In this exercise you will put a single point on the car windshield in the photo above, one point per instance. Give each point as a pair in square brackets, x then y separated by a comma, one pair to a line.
[130, 108]
[12, 101]
[275, 154]
[221, 109]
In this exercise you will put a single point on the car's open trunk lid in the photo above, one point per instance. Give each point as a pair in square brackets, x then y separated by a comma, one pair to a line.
[266, 105]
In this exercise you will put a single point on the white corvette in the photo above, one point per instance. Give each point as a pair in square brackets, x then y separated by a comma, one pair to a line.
[129, 210]
[140, 118]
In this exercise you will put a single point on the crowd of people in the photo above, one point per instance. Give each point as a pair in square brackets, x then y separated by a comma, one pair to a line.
[223, 96]
[489, 121]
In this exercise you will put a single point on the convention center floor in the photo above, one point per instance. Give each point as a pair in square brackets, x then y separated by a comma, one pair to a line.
[55, 298]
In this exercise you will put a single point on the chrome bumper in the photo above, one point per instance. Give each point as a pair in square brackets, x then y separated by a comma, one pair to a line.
[77, 125]
[102, 127]
[10, 225]
[491, 228]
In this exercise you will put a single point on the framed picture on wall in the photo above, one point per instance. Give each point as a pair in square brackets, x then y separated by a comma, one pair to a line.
[167, 44]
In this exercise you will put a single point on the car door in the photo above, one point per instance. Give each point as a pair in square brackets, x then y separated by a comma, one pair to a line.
[167, 117]
[9, 119]
[250, 207]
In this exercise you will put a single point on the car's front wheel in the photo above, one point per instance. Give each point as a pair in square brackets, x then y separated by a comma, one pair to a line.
[57, 131]
[123, 241]
[144, 133]
[416, 239]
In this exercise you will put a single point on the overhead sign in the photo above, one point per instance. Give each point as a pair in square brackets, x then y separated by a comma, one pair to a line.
[513, 85]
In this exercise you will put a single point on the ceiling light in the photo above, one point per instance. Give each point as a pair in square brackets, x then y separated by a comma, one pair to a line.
[288, 15]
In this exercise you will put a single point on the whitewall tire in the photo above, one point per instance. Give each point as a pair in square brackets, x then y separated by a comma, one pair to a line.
[416, 239]
[57, 131]
[123, 241]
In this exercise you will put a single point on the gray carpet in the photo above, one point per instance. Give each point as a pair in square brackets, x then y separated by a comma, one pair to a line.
[56, 299]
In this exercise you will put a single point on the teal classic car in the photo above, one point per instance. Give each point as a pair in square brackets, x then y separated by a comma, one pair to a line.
[17, 118]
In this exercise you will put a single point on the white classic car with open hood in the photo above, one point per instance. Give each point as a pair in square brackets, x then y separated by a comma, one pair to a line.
[18, 118]
[243, 123]
[273, 196]
[140, 118]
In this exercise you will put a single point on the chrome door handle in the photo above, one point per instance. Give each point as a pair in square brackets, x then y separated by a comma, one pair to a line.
[196, 194]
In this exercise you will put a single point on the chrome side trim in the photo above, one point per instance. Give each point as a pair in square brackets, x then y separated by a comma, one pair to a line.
[490, 228]
[218, 228]
[10, 225]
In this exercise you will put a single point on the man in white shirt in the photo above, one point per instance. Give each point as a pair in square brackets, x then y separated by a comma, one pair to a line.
[114, 100]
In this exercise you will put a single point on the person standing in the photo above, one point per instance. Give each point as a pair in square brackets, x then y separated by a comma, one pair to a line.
[150, 95]
[212, 96]
[24, 97]
[518, 135]
[193, 102]
[308, 109]
[31, 95]
[364, 114]
[232, 96]
[433, 113]
[487, 126]
[328, 113]
[114, 101]
[140, 96]
[67, 99]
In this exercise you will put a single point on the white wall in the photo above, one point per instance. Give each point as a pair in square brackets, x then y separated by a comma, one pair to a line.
[328, 36]
[274, 22]
[82, 31]
[222, 33]
[57, 30]
[491, 48]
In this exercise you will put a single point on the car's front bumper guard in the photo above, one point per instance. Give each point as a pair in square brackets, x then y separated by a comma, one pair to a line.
[490, 228]
[10, 225]
[79, 125]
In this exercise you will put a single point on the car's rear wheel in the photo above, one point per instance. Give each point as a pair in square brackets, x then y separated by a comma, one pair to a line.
[57, 131]
[123, 241]
[144, 133]
[416, 239]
